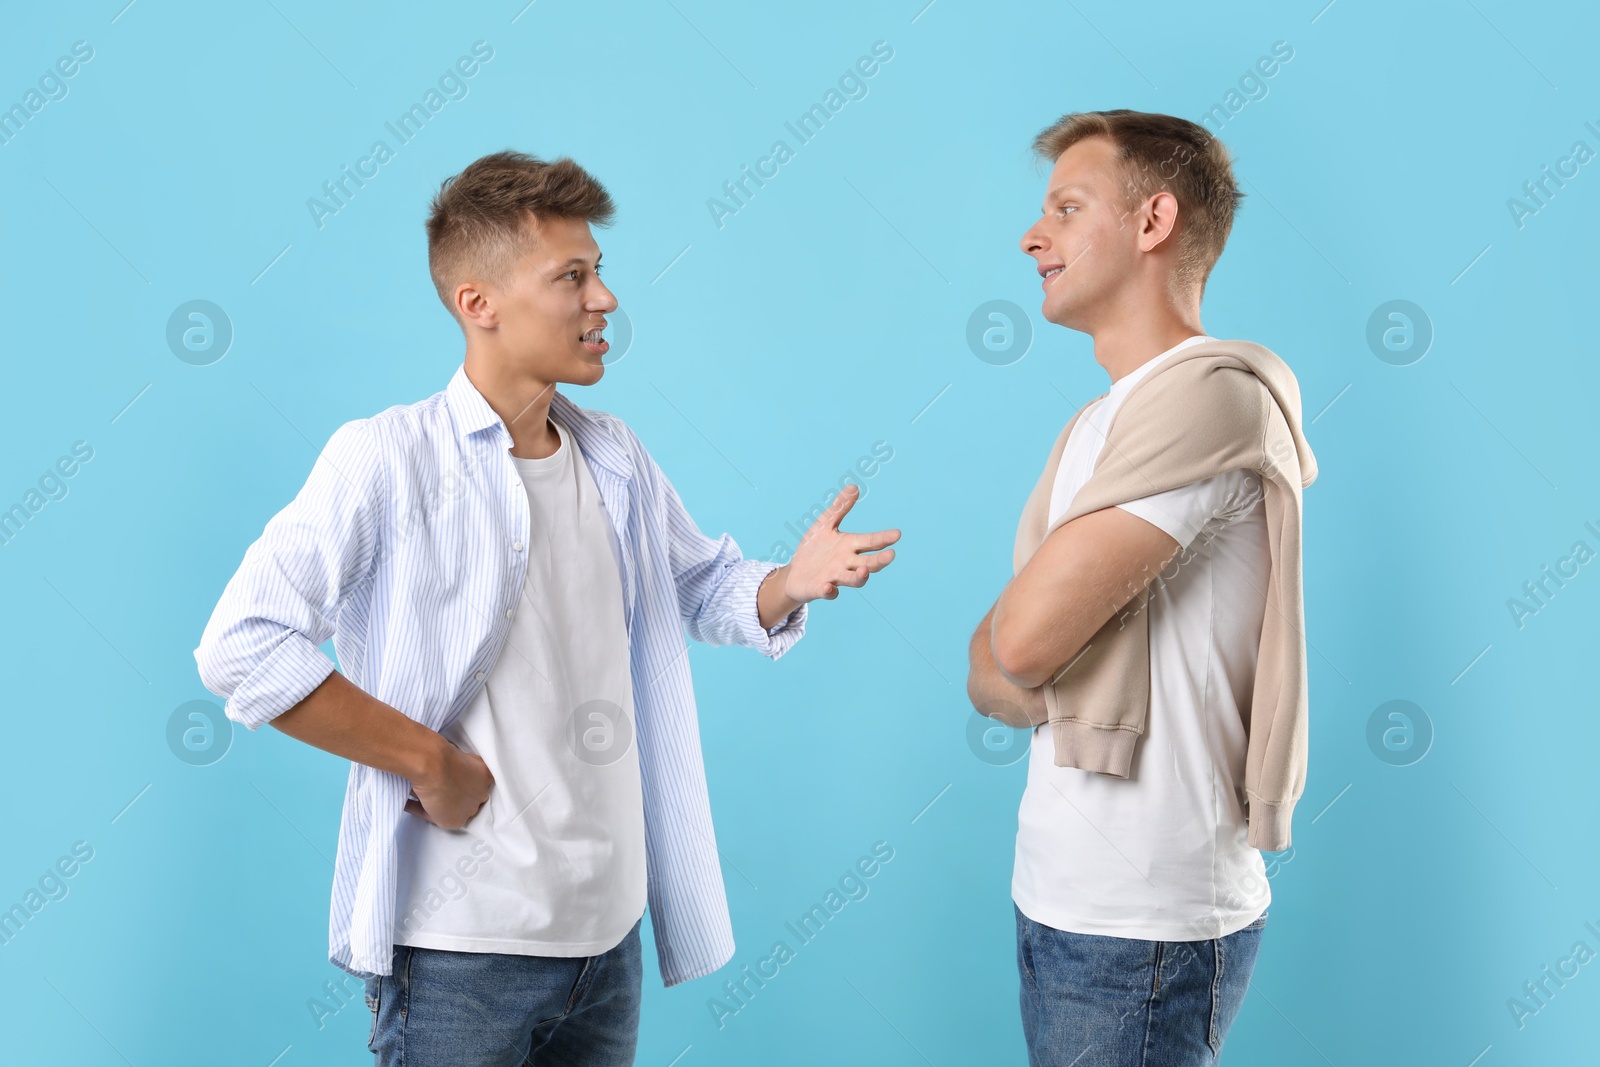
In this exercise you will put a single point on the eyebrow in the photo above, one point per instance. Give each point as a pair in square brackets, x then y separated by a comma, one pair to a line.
[1069, 187]
[579, 261]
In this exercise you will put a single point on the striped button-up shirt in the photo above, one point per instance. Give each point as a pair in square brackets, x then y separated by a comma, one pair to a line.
[406, 546]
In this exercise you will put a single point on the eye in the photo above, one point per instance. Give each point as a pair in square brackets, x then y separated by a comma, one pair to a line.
[1061, 211]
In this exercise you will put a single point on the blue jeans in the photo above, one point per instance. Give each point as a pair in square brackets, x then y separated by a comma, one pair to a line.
[492, 1009]
[1095, 1001]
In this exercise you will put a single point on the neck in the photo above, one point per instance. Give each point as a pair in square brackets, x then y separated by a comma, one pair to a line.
[1136, 335]
[521, 400]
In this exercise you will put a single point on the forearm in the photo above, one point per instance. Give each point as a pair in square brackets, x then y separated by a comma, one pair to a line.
[339, 717]
[992, 693]
[772, 605]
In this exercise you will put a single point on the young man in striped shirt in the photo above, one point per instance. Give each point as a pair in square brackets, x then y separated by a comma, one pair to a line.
[507, 578]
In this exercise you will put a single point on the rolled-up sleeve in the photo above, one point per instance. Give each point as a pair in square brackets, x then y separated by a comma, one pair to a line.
[260, 648]
[716, 585]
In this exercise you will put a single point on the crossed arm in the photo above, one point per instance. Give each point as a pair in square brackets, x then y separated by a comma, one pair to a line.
[1085, 572]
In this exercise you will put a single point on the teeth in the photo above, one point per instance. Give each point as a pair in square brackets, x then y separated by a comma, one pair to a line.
[1052, 272]
[594, 336]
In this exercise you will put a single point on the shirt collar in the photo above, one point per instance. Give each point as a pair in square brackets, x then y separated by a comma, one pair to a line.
[473, 414]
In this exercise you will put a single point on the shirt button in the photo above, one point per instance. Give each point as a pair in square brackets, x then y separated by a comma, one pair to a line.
[517, 547]
[510, 612]
[479, 676]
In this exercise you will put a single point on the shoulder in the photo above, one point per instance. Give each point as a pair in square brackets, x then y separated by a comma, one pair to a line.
[1204, 400]
[355, 442]
[1216, 378]
[417, 437]
[350, 471]
[1237, 377]
[414, 421]
[386, 449]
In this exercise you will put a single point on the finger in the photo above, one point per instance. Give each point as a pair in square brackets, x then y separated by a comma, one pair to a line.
[878, 560]
[841, 505]
[855, 573]
[415, 807]
[866, 542]
[867, 563]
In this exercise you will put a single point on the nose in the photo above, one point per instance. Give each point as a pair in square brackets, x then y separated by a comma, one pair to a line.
[603, 299]
[1033, 242]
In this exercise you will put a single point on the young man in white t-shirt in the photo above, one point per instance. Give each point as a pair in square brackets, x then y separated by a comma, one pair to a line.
[1139, 903]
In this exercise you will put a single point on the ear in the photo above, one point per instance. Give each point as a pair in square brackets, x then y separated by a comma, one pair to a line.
[1158, 220]
[474, 306]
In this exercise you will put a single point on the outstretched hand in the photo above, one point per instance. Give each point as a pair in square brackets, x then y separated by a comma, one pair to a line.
[828, 557]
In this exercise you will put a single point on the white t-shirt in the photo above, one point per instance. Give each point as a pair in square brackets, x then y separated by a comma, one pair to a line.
[553, 864]
[1163, 854]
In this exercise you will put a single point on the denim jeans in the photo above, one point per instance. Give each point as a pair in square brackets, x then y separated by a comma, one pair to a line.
[1094, 1001]
[491, 1009]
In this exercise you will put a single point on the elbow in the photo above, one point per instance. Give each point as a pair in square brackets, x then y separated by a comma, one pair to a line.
[1002, 709]
[975, 694]
[1013, 659]
[212, 676]
[221, 668]
[1022, 675]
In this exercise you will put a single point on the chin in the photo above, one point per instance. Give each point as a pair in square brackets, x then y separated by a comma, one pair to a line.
[1063, 316]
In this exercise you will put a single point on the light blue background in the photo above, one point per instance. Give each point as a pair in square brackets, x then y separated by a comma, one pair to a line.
[823, 317]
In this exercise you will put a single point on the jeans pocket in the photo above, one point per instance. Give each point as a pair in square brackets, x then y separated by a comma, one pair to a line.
[1236, 958]
[1216, 1026]
[374, 997]
[1025, 944]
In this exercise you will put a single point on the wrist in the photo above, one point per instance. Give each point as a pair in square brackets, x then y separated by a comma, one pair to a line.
[773, 602]
[429, 755]
[779, 576]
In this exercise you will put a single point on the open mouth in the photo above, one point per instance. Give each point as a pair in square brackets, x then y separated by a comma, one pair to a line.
[595, 341]
[1051, 273]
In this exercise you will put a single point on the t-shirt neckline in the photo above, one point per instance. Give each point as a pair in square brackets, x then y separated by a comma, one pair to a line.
[1133, 377]
[542, 464]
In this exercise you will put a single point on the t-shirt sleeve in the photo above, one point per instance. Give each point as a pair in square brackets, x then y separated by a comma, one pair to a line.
[1185, 511]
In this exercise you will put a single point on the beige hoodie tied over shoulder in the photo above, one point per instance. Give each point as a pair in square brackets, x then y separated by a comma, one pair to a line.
[1209, 408]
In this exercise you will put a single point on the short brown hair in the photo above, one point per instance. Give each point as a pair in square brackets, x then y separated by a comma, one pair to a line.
[1163, 153]
[478, 221]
